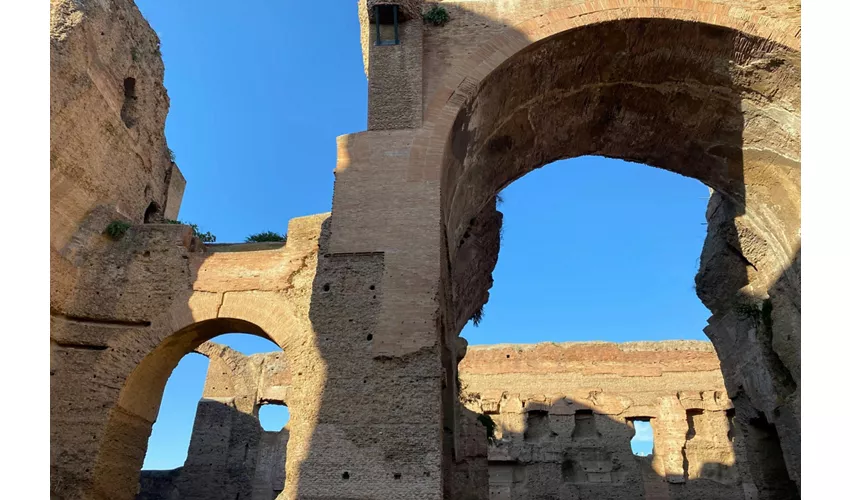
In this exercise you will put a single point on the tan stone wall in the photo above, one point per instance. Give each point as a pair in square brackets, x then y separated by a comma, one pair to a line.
[107, 120]
[564, 420]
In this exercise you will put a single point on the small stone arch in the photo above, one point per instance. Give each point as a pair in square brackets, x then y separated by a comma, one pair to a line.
[128, 427]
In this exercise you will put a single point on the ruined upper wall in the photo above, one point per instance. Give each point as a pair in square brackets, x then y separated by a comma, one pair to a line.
[610, 378]
[564, 416]
[249, 381]
[107, 124]
[479, 33]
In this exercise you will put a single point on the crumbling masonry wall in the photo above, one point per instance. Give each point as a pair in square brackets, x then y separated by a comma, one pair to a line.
[564, 418]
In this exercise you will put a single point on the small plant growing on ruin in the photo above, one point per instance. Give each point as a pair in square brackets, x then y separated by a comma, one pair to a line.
[207, 237]
[499, 199]
[436, 15]
[265, 236]
[134, 53]
[116, 229]
[172, 156]
[478, 315]
[490, 425]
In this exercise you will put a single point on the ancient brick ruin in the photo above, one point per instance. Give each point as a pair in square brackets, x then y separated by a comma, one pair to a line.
[564, 415]
[367, 302]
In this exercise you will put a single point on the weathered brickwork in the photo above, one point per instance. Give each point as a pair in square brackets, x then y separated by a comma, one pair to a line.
[565, 414]
[368, 304]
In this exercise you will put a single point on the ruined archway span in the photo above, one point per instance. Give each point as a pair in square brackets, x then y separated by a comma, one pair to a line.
[467, 72]
[700, 100]
[716, 104]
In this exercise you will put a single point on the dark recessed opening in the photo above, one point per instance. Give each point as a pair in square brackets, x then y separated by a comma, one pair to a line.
[128, 110]
[386, 24]
[692, 415]
[326, 287]
[345, 475]
[369, 337]
[153, 213]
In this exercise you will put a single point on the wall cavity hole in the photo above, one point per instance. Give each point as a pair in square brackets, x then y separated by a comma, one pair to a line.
[507, 356]
[371, 287]
[147, 253]
[346, 475]
[273, 417]
[396, 476]
[128, 110]
[369, 337]
[326, 287]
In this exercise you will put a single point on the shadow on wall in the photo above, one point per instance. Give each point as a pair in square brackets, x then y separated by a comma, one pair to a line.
[230, 456]
[569, 451]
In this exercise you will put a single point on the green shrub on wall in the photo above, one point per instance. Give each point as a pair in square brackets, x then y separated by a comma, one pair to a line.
[265, 236]
[116, 229]
[436, 16]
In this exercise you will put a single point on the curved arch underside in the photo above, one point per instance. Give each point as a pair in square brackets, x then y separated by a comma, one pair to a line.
[703, 101]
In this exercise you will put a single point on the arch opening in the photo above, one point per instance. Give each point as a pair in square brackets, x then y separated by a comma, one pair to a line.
[711, 103]
[226, 408]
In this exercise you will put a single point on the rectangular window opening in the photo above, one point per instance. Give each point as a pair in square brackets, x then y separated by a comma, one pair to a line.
[643, 442]
[386, 15]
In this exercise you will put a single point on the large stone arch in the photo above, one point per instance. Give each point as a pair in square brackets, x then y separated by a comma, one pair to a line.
[401, 189]
[705, 100]
[459, 81]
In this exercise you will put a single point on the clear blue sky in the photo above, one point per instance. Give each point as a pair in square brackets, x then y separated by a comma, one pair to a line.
[593, 249]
